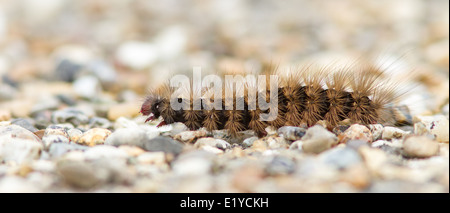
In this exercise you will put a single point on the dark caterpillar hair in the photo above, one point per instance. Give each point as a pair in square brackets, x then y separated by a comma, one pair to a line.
[305, 97]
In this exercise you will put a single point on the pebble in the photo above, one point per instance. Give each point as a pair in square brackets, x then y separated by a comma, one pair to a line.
[70, 115]
[195, 163]
[74, 134]
[87, 87]
[133, 136]
[248, 142]
[94, 137]
[376, 130]
[25, 123]
[98, 122]
[78, 174]
[5, 115]
[16, 131]
[67, 70]
[436, 125]
[19, 150]
[393, 133]
[280, 166]
[189, 136]
[105, 152]
[212, 142]
[132, 151]
[317, 139]
[57, 129]
[356, 132]
[157, 158]
[59, 149]
[291, 132]
[14, 184]
[137, 55]
[420, 147]
[340, 158]
[50, 139]
[163, 144]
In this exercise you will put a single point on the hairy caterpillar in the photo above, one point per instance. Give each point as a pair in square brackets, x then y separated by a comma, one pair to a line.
[304, 97]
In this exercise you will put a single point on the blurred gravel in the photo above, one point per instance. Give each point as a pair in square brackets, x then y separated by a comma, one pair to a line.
[74, 73]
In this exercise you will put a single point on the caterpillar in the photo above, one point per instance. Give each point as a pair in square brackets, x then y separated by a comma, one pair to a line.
[305, 96]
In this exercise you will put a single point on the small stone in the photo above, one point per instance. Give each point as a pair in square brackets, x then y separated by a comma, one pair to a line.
[88, 87]
[70, 115]
[130, 109]
[402, 115]
[45, 103]
[133, 151]
[420, 147]
[127, 136]
[393, 133]
[259, 145]
[5, 115]
[15, 131]
[280, 166]
[163, 144]
[274, 142]
[440, 129]
[195, 163]
[157, 158]
[318, 139]
[50, 139]
[249, 141]
[25, 123]
[57, 129]
[217, 143]
[356, 144]
[377, 131]
[296, 145]
[291, 132]
[98, 122]
[340, 158]
[374, 158]
[123, 122]
[74, 134]
[14, 184]
[189, 136]
[78, 174]
[137, 55]
[67, 70]
[19, 150]
[356, 132]
[105, 152]
[94, 136]
[59, 149]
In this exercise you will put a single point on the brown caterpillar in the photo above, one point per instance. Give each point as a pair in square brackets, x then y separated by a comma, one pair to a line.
[305, 97]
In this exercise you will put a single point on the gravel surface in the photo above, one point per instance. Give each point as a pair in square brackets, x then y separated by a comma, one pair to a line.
[73, 75]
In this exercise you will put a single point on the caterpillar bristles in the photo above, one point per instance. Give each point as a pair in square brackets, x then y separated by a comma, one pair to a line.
[305, 97]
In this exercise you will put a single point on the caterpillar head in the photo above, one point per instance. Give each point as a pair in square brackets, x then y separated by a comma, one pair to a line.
[151, 106]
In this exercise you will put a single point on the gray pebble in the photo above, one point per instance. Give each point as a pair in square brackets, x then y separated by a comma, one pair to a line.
[25, 123]
[340, 158]
[88, 87]
[249, 141]
[164, 144]
[59, 149]
[291, 132]
[99, 122]
[280, 166]
[70, 115]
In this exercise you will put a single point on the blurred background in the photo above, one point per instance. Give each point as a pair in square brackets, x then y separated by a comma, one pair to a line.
[101, 53]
